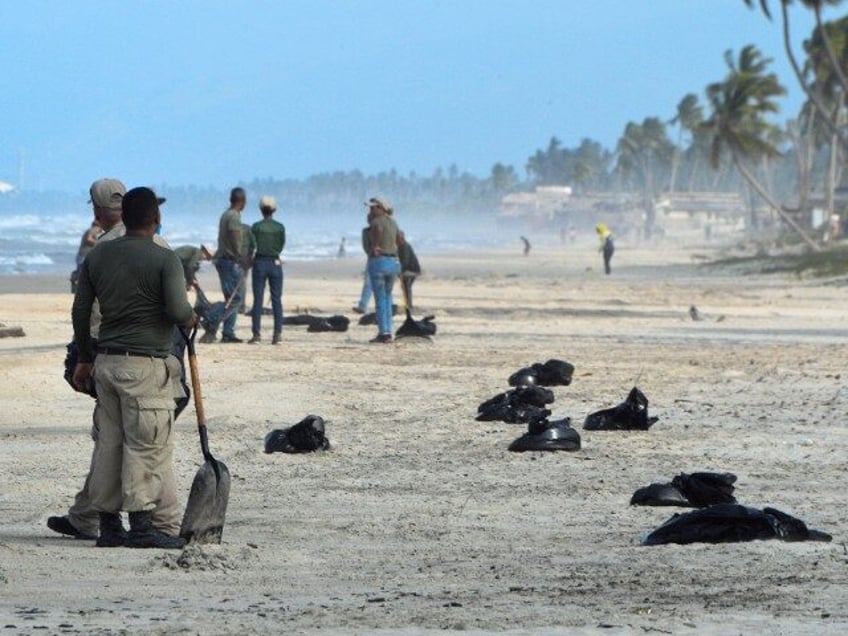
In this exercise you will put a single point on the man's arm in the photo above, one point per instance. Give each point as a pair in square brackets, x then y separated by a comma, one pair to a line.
[281, 242]
[177, 308]
[81, 314]
[81, 318]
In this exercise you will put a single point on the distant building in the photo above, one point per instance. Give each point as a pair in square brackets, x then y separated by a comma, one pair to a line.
[535, 209]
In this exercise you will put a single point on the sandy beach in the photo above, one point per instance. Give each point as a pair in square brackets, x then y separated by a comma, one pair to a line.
[419, 519]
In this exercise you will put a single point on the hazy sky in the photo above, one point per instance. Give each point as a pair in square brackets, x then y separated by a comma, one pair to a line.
[211, 92]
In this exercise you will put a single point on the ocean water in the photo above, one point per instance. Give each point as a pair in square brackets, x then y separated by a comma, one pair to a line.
[48, 243]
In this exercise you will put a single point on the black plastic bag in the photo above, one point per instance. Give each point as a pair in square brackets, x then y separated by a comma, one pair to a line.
[697, 490]
[523, 405]
[729, 523]
[548, 436]
[630, 415]
[551, 373]
[330, 323]
[306, 436]
[412, 328]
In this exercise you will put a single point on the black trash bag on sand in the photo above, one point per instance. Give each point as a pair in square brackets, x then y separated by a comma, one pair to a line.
[332, 323]
[304, 437]
[317, 324]
[523, 405]
[547, 435]
[412, 328]
[731, 523]
[630, 415]
[551, 373]
[696, 490]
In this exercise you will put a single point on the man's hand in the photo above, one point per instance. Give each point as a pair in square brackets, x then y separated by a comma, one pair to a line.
[83, 376]
[191, 322]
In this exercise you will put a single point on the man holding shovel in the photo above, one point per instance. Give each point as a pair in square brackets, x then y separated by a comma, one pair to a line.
[141, 290]
[82, 519]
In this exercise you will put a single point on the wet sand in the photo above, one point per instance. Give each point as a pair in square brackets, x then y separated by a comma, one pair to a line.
[419, 519]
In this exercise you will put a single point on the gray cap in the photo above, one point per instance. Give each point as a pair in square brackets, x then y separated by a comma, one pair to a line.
[107, 193]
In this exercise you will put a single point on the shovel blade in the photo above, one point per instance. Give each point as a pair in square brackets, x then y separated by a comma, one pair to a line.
[203, 521]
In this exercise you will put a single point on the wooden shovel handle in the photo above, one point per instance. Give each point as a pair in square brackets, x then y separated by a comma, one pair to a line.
[195, 376]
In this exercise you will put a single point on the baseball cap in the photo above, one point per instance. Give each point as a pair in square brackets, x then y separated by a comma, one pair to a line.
[107, 193]
[268, 202]
[377, 202]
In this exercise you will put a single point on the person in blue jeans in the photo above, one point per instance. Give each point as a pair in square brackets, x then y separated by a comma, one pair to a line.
[270, 240]
[383, 264]
[227, 259]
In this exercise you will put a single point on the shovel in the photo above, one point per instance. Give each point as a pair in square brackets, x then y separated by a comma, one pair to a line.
[203, 521]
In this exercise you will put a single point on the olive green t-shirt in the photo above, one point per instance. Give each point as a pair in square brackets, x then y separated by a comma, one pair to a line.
[248, 242]
[230, 222]
[388, 234]
[117, 231]
[141, 290]
[190, 256]
[270, 237]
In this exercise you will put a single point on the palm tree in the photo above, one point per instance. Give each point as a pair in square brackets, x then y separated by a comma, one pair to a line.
[689, 116]
[739, 106]
[827, 56]
[813, 93]
[643, 150]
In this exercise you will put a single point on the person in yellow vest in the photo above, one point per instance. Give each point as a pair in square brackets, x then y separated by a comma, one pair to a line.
[607, 246]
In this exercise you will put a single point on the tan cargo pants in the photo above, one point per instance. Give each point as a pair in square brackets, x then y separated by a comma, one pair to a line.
[132, 464]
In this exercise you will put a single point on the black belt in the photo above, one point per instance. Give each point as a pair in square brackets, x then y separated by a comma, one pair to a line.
[112, 351]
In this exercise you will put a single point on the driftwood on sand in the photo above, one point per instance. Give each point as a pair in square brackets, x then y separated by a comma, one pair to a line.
[11, 332]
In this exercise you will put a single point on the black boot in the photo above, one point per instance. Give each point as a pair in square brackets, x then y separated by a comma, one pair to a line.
[142, 534]
[112, 533]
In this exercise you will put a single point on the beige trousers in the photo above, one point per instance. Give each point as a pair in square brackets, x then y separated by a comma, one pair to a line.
[132, 465]
[166, 515]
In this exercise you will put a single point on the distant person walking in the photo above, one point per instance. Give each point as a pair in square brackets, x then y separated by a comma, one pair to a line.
[607, 246]
[342, 248]
[383, 265]
[227, 259]
[526, 246]
[270, 238]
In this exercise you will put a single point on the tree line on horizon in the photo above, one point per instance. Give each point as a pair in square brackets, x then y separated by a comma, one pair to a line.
[725, 140]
